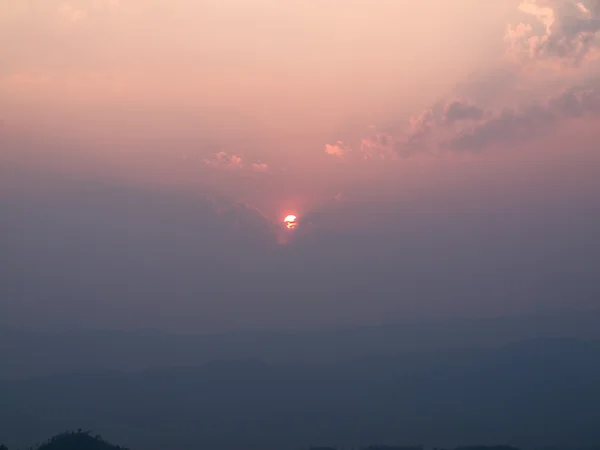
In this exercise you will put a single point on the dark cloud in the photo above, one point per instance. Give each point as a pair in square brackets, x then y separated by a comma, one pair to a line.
[443, 113]
[511, 125]
[458, 110]
[508, 126]
[424, 127]
[576, 102]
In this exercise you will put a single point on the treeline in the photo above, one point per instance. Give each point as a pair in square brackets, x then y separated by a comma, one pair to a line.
[419, 447]
[85, 440]
[74, 440]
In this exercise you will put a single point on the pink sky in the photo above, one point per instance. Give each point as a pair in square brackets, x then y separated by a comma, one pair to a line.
[291, 105]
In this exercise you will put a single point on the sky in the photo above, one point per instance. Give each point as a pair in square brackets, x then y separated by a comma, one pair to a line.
[441, 158]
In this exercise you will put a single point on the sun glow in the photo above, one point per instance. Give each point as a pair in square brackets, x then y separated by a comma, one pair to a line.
[290, 221]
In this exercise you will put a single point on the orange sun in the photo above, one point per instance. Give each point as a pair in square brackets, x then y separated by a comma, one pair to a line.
[290, 221]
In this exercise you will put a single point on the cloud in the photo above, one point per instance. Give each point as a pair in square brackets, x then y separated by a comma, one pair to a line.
[436, 119]
[225, 160]
[576, 102]
[260, 167]
[422, 128]
[459, 124]
[507, 126]
[458, 110]
[565, 30]
[421, 125]
[510, 125]
[378, 145]
[338, 149]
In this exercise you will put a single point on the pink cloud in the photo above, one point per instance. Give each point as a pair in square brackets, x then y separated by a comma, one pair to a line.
[260, 167]
[564, 30]
[338, 149]
[378, 145]
[225, 160]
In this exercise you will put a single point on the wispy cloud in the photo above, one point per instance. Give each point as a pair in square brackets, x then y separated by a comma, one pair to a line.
[225, 160]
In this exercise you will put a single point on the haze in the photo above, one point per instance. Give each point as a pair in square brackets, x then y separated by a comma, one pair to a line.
[436, 281]
[441, 158]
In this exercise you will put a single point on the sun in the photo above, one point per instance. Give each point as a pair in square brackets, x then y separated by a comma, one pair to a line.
[290, 221]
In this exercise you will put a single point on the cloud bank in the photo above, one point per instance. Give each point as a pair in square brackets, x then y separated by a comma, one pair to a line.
[563, 30]
[565, 33]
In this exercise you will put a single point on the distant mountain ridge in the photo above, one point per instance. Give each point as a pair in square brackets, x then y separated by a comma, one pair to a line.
[531, 394]
[34, 354]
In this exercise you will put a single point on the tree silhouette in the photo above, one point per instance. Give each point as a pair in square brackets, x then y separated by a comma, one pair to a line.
[85, 440]
[77, 440]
